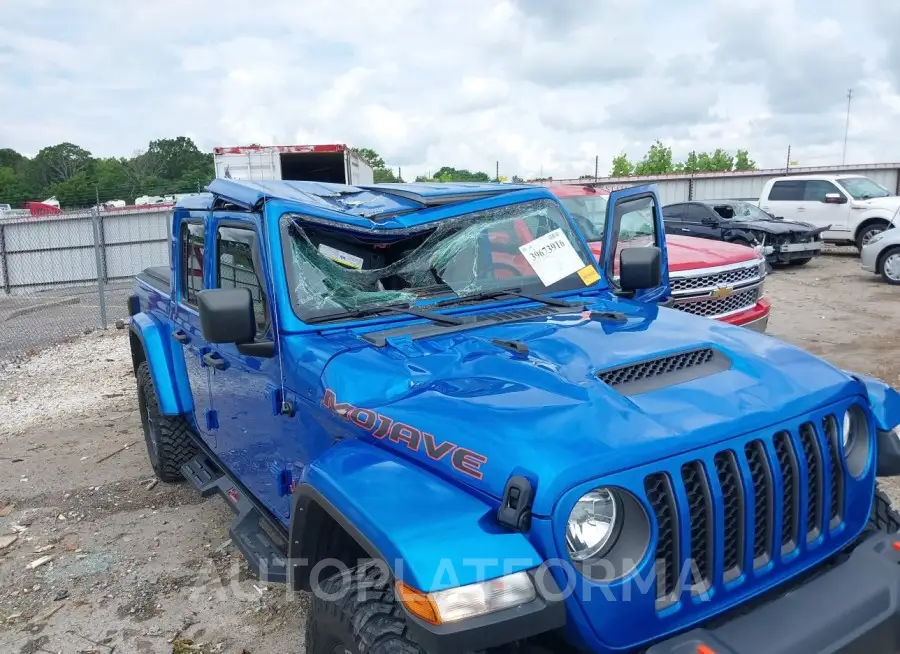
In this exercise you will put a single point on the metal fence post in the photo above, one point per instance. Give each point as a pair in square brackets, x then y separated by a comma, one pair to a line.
[4, 264]
[98, 256]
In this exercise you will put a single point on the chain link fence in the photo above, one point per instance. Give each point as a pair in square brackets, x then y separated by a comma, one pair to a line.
[63, 274]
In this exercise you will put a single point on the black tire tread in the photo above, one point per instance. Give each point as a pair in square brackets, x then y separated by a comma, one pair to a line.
[367, 612]
[883, 517]
[176, 442]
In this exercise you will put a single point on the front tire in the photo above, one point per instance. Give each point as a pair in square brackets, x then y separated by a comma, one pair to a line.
[866, 233]
[889, 265]
[365, 617]
[883, 517]
[170, 443]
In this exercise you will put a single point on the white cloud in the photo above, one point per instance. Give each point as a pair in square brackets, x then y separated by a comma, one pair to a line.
[538, 86]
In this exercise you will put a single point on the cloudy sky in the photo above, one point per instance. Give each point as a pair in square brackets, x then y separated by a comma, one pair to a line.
[540, 85]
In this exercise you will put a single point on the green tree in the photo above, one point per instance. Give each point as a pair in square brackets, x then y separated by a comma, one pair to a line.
[172, 158]
[657, 161]
[621, 167]
[450, 174]
[742, 161]
[12, 189]
[9, 158]
[58, 163]
[381, 173]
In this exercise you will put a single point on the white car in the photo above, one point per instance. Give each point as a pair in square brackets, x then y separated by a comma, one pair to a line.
[881, 255]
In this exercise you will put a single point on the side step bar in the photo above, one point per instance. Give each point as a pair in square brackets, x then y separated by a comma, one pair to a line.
[266, 558]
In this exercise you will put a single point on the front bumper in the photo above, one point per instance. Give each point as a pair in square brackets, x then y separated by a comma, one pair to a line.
[794, 251]
[755, 318]
[868, 258]
[852, 607]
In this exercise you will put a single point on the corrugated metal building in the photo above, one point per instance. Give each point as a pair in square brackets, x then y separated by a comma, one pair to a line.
[682, 187]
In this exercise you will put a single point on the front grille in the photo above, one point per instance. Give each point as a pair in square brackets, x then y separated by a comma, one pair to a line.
[712, 307]
[760, 486]
[731, 277]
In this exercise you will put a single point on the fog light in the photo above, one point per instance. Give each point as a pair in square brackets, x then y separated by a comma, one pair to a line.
[463, 602]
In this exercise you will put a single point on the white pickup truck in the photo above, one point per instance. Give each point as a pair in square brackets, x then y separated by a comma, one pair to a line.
[853, 207]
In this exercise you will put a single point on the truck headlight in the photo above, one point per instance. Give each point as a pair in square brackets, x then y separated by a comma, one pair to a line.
[855, 440]
[593, 524]
[472, 600]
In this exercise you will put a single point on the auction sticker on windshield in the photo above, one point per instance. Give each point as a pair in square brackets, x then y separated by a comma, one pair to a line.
[552, 257]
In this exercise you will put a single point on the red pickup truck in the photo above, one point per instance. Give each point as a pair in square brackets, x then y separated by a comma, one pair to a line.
[718, 280]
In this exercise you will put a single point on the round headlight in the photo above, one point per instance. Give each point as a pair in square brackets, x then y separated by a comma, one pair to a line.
[846, 431]
[593, 524]
[855, 440]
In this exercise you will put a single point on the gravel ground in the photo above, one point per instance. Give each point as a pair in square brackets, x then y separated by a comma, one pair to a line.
[147, 568]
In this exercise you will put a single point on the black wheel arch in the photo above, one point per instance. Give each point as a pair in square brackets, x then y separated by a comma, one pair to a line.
[876, 220]
[318, 531]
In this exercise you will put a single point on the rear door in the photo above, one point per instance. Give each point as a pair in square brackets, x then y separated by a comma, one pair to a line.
[673, 218]
[191, 275]
[786, 199]
[634, 219]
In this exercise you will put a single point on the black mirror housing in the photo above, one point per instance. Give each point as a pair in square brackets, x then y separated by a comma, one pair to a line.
[640, 268]
[226, 315]
[834, 198]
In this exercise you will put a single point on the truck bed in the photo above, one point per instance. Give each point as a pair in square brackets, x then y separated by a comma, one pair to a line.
[157, 277]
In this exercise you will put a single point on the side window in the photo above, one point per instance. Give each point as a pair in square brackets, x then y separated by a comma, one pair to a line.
[695, 214]
[634, 226]
[673, 212]
[787, 191]
[816, 189]
[239, 266]
[191, 240]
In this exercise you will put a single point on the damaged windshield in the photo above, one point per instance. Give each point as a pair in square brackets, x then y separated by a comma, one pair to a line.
[336, 271]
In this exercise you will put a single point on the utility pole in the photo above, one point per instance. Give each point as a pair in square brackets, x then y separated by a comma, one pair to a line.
[846, 127]
[497, 171]
[787, 164]
[596, 167]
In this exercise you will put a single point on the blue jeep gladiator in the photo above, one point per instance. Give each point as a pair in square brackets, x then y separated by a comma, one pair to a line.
[431, 407]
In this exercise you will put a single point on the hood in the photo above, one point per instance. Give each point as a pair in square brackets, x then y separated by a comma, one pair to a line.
[890, 203]
[770, 226]
[692, 253]
[546, 414]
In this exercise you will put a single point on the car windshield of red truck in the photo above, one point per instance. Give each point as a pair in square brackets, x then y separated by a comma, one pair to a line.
[528, 246]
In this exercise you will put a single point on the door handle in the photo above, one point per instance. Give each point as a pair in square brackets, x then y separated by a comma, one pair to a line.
[181, 337]
[214, 360]
[801, 208]
[685, 229]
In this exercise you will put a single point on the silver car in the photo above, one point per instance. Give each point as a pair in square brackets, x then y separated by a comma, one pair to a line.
[881, 255]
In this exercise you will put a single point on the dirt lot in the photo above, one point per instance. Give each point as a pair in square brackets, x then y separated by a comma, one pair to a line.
[143, 568]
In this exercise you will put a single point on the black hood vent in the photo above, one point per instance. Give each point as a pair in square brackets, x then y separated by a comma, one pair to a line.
[653, 374]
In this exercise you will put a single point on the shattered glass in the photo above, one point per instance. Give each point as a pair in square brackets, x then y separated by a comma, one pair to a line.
[469, 254]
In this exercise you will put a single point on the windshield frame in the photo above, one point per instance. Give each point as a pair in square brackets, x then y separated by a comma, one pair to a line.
[410, 224]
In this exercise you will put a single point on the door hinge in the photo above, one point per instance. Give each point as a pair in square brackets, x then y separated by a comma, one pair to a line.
[515, 510]
[281, 406]
[212, 419]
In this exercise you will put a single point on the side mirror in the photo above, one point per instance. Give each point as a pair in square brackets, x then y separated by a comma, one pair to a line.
[640, 268]
[710, 220]
[834, 198]
[226, 315]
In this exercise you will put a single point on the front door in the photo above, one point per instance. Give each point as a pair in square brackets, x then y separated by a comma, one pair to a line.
[821, 213]
[185, 318]
[634, 219]
[246, 380]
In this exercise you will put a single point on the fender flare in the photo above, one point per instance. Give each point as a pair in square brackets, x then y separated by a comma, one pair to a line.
[884, 402]
[382, 500]
[166, 369]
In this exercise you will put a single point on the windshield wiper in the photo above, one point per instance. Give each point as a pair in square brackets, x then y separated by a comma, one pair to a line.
[389, 308]
[511, 292]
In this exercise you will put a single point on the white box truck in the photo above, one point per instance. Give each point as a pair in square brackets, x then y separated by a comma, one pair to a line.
[333, 163]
